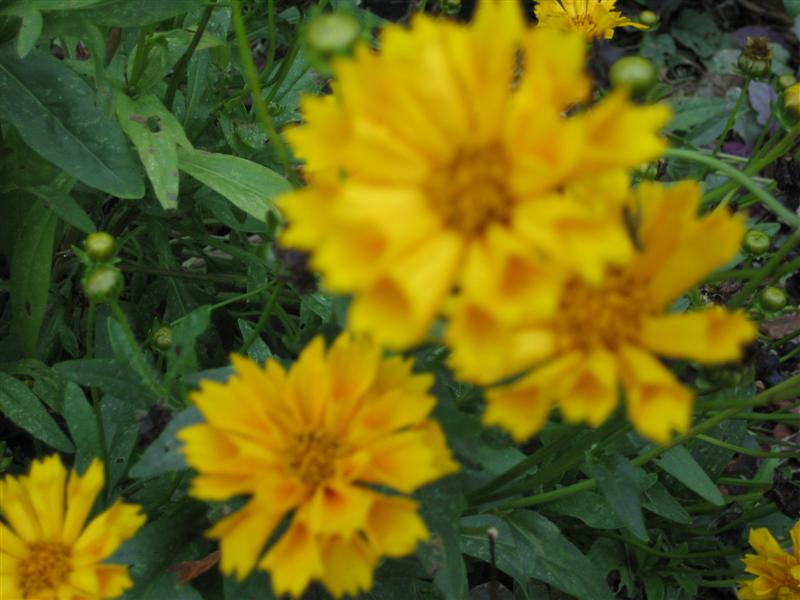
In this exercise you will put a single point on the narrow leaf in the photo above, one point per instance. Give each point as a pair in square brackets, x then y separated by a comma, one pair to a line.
[25, 410]
[620, 484]
[680, 463]
[82, 424]
[248, 185]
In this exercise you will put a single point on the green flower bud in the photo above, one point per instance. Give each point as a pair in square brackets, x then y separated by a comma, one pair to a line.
[100, 246]
[649, 18]
[756, 242]
[772, 298]
[161, 338]
[755, 61]
[102, 283]
[786, 81]
[332, 33]
[636, 73]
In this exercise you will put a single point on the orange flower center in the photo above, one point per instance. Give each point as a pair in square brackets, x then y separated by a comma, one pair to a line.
[312, 456]
[605, 315]
[471, 191]
[46, 568]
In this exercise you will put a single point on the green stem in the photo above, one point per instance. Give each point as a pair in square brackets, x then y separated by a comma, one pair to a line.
[742, 178]
[179, 72]
[785, 388]
[139, 59]
[90, 329]
[731, 117]
[98, 415]
[272, 36]
[251, 77]
[765, 271]
[745, 451]
[262, 320]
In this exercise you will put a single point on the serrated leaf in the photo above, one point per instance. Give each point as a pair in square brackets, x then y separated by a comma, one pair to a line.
[621, 485]
[56, 113]
[31, 264]
[164, 455]
[82, 424]
[26, 411]
[680, 463]
[156, 134]
[248, 185]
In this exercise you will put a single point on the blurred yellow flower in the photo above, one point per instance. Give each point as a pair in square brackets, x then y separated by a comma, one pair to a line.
[451, 144]
[607, 334]
[791, 98]
[777, 571]
[47, 550]
[591, 18]
[307, 447]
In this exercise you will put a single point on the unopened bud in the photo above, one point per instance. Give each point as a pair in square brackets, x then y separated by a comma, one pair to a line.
[332, 33]
[755, 61]
[635, 73]
[791, 98]
[102, 283]
[649, 18]
[162, 337]
[100, 246]
[756, 242]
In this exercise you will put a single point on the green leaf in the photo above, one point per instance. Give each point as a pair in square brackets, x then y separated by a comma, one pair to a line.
[248, 185]
[554, 559]
[182, 357]
[29, 31]
[792, 7]
[120, 13]
[258, 351]
[156, 134]
[25, 410]
[679, 463]
[82, 424]
[65, 206]
[256, 587]
[590, 508]
[619, 482]
[121, 429]
[31, 264]
[658, 500]
[128, 355]
[441, 555]
[110, 377]
[56, 113]
[164, 455]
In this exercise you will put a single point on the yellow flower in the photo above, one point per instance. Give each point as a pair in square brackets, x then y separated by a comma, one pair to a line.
[47, 550]
[307, 446]
[777, 571]
[791, 98]
[607, 334]
[592, 18]
[437, 148]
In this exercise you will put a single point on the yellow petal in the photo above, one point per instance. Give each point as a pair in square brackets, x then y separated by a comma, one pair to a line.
[339, 508]
[81, 494]
[391, 411]
[16, 507]
[106, 532]
[657, 403]
[11, 544]
[593, 391]
[348, 565]
[399, 309]
[309, 384]
[555, 67]
[46, 486]
[764, 543]
[318, 142]
[403, 461]
[243, 535]
[795, 535]
[114, 580]
[712, 335]
[394, 526]
[294, 561]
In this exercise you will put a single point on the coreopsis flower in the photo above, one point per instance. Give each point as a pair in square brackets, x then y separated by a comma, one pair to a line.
[591, 18]
[308, 447]
[791, 98]
[777, 571]
[447, 146]
[48, 551]
[606, 335]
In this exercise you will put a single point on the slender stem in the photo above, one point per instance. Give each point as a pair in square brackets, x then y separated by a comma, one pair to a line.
[272, 35]
[745, 451]
[661, 554]
[90, 329]
[766, 270]
[251, 77]
[744, 179]
[140, 58]
[179, 72]
[262, 319]
[732, 117]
